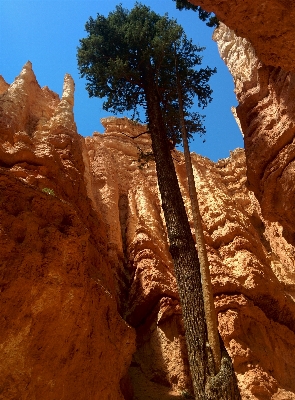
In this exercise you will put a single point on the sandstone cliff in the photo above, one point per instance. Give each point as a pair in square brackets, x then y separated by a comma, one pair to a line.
[262, 63]
[89, 301]
[259, 53]
[267, 24]
[60, 327]
[267, 115]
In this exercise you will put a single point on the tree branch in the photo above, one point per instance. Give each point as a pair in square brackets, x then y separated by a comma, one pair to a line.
[135, 137]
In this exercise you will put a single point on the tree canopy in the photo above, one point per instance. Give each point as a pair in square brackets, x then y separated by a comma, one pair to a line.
[116, 52]
[210, 18]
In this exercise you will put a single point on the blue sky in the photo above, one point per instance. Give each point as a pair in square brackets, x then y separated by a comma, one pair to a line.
[47, 33]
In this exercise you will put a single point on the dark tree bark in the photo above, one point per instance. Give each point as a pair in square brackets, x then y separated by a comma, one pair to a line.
[182, 246]
[211, 318]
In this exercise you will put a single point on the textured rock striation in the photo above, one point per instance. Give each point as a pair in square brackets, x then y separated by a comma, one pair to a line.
[267, 115]
[252, 267]
[259, 53]
[268, 25]
[60, 326]
[89, 301]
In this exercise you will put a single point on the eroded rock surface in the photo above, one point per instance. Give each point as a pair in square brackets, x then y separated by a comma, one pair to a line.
[267, 115]
[88, 295]
[253, 289]
[268, 25]
[60, 325]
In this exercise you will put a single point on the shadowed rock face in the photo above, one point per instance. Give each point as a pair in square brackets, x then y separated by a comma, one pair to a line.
[89, 299]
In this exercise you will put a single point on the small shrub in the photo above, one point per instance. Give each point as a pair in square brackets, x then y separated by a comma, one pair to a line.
[48, 191]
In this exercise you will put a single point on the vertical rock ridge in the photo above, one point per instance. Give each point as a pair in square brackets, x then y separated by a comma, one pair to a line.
[58, 298]
[267, 115]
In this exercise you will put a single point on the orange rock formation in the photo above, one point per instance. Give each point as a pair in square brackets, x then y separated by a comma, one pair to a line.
[86, 277]
[268, 25]
[89, 302]
[262, 65]
[61, 335]
[267, 116]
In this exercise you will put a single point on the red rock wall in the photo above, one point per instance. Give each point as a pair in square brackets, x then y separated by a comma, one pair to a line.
[252, 268]
[89, 299]
[61, 335]
[266, 113]
[262, 65]
[259, 53]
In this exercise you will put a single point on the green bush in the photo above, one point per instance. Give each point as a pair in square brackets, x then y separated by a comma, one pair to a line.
[48, 191]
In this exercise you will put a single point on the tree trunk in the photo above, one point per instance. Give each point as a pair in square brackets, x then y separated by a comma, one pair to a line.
[182, 246]
[210, 314]
[185, 259]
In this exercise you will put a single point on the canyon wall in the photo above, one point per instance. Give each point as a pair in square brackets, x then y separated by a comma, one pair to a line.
[89, 302]
[252, 267]
[266, 112]
[268, 25]
[257, 45]
[259, 53]
[61, 336]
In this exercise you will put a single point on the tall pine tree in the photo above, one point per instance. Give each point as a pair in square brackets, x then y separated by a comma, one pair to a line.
[129, 59]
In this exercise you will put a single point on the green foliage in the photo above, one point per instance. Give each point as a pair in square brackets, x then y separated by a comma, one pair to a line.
[123, 48]
[211, 19]
[48, 191]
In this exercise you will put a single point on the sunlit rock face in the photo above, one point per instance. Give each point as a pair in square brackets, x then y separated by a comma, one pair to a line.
[89, 304]
[267, 115]
[268, 25]
[60, 326]
[252, 267]
[259, 52]
[3, 85]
